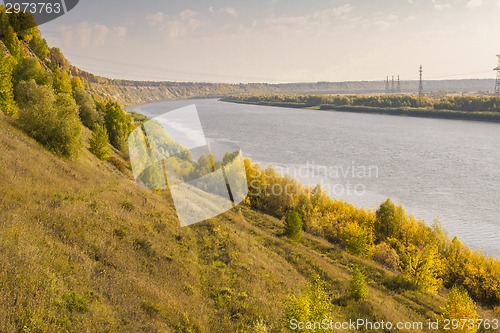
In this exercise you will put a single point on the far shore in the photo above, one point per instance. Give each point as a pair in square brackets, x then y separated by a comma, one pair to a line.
[491, 117]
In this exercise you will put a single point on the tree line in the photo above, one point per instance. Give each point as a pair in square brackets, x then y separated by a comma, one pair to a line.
[447, 103]
[424, 256]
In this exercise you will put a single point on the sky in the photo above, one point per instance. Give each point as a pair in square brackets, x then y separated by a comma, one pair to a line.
[280, 40]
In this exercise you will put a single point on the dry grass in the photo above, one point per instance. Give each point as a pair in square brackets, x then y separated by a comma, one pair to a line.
[83, 249]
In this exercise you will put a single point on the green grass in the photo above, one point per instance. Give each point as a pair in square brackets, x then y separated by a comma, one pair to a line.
[83, 248]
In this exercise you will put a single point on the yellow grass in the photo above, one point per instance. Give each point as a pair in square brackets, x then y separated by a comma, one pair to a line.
[84, 249]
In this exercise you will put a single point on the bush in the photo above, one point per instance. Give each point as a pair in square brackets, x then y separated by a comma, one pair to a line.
[313, 305]
[119, 164]
[399, 283]
[75, 302]
[387, 256]
[144, 245]
[51, 120]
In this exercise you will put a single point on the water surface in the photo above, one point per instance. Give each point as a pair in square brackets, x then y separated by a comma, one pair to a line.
[436, 168]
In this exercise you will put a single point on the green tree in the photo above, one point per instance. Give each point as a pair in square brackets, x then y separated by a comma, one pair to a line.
[293, 226]
[118, 124]
[23, 24]
[39, 46]
[99, 143]
[358, 289]
[4, 20]
[87, 109]
[62, 82]
[69, 127]
[390, 219]
[51, 120]
[7, 104]
[13, 44]
[77, 84]
[460, 306]
[31, 69]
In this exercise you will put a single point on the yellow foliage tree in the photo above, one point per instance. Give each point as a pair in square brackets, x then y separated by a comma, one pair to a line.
[460, 311]
[423, 268]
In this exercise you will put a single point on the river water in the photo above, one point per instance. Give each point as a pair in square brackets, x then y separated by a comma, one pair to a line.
[437, 169]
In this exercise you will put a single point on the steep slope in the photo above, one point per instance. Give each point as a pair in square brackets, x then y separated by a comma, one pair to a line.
[83, 249]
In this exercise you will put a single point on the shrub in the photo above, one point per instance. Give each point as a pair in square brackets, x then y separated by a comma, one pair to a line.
[119, 164]
[144, 245]
[387, 256]
[74, 302]
[313, 305]
[399, 283]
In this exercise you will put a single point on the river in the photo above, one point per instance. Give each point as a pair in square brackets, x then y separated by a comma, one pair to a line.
[437, 169]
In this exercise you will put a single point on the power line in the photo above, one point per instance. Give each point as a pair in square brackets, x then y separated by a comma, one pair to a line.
[497, 82]
[170, 74]
[421, 83]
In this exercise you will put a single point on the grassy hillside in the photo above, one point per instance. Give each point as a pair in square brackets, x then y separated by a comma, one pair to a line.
[83, 248]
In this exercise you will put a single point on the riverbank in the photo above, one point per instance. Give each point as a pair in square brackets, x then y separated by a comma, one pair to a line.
[421, 112]
[425, 164]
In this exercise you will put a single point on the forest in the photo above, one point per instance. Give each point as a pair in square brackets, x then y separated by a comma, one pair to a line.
[38, 88]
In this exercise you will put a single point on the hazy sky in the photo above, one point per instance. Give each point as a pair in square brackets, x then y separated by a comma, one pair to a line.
[280, 40]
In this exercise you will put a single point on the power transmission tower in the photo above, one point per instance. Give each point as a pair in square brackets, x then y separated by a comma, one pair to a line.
[497, 83]
[392, 85]
[398, 86]
[387, 86]
[421, 82]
